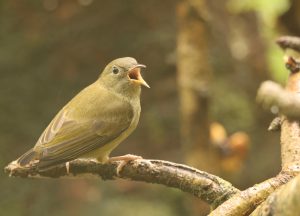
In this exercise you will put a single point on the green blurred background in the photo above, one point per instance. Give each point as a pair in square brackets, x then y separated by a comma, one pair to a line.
[51, 49]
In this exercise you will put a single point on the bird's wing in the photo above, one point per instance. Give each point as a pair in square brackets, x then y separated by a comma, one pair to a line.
[67, 138]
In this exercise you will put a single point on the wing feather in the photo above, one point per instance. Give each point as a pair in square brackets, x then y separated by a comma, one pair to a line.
[68, 137]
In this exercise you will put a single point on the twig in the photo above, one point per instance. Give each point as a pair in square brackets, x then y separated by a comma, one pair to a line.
[272, 95]
[275, 125]
[292, 65]
[208, 187]
[289, 42]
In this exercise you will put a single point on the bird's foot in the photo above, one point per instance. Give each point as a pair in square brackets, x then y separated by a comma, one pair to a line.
[124, 160]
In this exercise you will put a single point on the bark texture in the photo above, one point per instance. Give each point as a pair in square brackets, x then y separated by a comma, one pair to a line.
[245, 202]
[284, 202]
[208, 187]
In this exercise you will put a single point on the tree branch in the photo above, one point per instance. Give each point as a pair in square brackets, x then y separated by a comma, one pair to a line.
[284, 202]
[245, 202]
[272, 95]
[289, 42]
[208, 187]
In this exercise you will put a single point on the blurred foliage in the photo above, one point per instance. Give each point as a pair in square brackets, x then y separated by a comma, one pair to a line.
[275, 59]
[235, 112]
[268, 11]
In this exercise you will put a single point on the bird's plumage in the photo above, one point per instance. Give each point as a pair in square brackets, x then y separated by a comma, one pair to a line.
[93, 123]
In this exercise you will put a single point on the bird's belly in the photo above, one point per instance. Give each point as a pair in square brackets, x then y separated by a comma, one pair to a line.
[102, 154]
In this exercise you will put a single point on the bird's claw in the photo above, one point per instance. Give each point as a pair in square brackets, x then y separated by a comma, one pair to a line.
[124, 160]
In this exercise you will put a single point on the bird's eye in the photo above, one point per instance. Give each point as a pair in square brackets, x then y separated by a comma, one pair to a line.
[115, 70]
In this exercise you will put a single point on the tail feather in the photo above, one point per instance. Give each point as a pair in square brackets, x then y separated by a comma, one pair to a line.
[46, 164]
[33, 158]
[26, 158]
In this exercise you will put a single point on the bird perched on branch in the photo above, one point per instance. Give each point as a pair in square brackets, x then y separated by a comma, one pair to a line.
[95, 121]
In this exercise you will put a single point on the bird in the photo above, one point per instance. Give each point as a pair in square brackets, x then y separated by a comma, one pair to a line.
[95, 121]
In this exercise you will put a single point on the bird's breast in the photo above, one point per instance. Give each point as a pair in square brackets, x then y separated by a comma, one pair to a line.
[102, 154]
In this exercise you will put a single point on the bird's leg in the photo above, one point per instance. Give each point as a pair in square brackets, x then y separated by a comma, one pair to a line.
[124, 160]
[68, 167]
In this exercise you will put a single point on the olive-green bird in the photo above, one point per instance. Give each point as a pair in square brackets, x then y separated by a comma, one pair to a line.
[95, 121]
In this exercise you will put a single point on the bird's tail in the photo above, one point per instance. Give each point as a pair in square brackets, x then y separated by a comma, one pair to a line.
[34, 159]
[26, 158]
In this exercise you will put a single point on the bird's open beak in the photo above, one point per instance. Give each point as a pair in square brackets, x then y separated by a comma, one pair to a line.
[134, 75]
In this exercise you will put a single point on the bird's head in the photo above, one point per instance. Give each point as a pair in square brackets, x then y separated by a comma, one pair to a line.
[123, 75]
